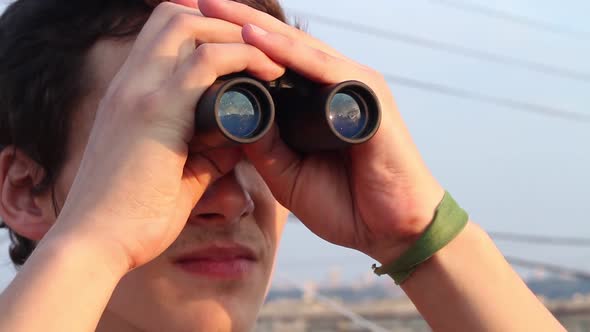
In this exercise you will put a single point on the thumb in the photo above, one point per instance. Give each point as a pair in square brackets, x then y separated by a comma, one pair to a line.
[202, 169]
[278, 165]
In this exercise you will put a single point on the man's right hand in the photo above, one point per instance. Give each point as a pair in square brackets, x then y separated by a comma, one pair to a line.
[139, 180]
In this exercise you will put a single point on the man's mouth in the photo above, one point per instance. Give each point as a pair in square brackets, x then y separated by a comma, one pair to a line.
[219, 261]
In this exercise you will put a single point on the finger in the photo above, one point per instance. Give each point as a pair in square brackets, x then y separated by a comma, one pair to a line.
[212, 60]
[242, 14]
[200, 171]
[308, 61]
[278, 165]
[159, 17]
[204, 168]
[187, 3]
[157, 20]
[184, 32]
[175, 44]
[205, 65]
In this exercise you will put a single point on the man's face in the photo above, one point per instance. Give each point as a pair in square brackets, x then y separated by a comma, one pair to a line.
[215, 275]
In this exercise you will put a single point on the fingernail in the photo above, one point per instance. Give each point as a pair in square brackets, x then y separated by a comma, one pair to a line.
[258, 30]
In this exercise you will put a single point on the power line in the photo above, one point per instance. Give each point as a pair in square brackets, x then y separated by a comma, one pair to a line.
[531, 239]
[511, 17]
[541, 239]
[461, 93]
[477, 96]
[448, 47]
[579, 274]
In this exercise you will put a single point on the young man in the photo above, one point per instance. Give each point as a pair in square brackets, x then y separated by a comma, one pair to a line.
[138, 229]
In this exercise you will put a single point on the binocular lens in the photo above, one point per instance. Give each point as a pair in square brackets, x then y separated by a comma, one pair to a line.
[348, 115]
[240, 113]
[238, 109]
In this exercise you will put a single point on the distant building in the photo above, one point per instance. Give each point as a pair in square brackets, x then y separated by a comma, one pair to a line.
[298, 316]
[392, 315]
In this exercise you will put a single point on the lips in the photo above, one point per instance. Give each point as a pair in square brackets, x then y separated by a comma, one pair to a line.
[220, 261]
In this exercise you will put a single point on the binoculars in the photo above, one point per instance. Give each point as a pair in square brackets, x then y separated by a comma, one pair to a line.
[239, 109]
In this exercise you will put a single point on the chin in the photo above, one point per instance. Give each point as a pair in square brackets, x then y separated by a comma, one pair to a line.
[209, 315]
[169, 305]
[221, 317]
[214, 319]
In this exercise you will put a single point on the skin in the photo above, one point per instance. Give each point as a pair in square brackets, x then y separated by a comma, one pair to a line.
[237, 206]
[141, 175]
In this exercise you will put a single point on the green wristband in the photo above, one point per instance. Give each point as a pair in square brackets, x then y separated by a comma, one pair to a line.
[449, 220]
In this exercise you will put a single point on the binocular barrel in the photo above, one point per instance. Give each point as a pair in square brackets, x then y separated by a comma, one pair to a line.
[239, 110]
[311, 117]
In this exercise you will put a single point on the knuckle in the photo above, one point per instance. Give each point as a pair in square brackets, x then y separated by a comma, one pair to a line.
[373, 75]
[180, 21]
[323, 57]
[299, 34]
[380, 77]
[325, 64]
[369, 70]
[295, 47]
[291, 44]
[164, 9]
[205, 54]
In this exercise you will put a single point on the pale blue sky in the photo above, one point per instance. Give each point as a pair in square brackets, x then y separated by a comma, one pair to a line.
[513, 171]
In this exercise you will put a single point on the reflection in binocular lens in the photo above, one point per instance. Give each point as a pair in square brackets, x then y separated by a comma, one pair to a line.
[347, 115]
[239, 113]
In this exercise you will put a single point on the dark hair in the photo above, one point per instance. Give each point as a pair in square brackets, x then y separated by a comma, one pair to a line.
[43, 50]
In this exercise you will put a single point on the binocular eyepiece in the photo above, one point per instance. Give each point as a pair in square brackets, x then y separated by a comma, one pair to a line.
[311, 117]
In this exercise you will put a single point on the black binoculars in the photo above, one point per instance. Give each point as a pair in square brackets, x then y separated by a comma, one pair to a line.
[238, 109]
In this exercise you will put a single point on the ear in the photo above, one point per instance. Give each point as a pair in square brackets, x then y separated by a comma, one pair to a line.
[27, 213]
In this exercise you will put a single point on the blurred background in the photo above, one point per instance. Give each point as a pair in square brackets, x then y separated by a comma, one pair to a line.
[496, 97]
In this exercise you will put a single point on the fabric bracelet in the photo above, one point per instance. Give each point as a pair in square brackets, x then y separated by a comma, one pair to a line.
[449, 220]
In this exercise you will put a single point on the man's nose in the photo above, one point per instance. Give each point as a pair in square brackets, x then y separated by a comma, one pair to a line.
[224, 202]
